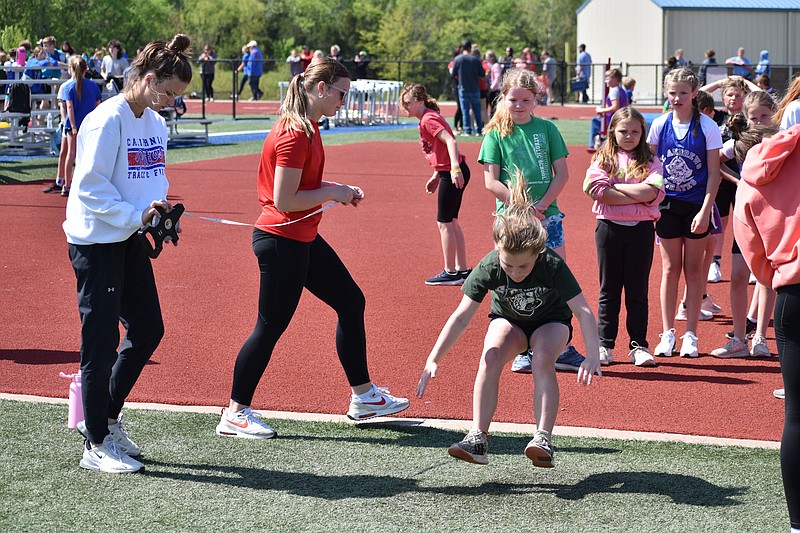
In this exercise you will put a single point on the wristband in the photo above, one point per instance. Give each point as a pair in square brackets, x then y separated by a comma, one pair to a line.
[455, 171]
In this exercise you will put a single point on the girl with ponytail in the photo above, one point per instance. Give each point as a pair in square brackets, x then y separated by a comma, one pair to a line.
[120, 181]
[292, 255]
[688, 143]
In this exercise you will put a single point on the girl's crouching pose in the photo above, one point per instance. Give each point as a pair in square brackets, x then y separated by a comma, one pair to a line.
[533, 297]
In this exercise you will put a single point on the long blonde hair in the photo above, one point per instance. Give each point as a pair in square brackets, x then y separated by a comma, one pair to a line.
[517, 229]
[294, 109]
[77, 67]
[791, 95]
[513, 79]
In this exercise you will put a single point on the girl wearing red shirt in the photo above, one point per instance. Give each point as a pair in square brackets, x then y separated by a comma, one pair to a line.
[292, 255]
[450, 176]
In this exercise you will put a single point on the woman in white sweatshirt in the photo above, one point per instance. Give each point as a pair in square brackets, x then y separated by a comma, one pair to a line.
[119, 182]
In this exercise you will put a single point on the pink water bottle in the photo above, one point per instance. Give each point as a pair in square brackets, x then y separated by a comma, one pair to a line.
[75, 399]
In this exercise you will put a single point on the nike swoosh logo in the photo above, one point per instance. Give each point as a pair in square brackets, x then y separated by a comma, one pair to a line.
[382, 402]
[242, 425]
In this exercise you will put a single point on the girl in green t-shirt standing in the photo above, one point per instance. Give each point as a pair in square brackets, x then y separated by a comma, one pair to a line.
[515, 138]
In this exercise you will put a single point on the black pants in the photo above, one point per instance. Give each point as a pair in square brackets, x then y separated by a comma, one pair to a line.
[286, 267]
[208, 85]
[254, 88]
[624, 257]
[242, 84]
[115, 284]
[787, 335]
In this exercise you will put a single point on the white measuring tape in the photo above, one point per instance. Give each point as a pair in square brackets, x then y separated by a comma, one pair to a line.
[234, 223]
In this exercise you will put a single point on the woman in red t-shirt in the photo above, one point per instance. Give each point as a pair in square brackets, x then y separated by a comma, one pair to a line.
[450, 176]
[292, 255]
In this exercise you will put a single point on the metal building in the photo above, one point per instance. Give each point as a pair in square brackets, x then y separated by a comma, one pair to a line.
[642, 34]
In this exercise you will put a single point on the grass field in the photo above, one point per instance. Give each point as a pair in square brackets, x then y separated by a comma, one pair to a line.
[381, 477]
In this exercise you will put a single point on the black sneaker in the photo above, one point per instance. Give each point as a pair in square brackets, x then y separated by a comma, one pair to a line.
[749, 330]
[570, 360]
[464, 273]
[445, 278]
[52, 188]
[472, 448]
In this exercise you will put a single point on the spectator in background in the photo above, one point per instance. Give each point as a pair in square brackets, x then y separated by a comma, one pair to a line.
[741, 65]
[114, 65]
[244, 68]
[483, 83]
[468, 69]
[531, 59]
[208, 65]
[305, 57]
[550, 70]
[763, 64]
[336, 53]
[495, 81]
[49, 46]
[295, 66]
[67, 49]
[508, 60]
[362, 63]
[256, 69]
[702, 72]
[765, 84]
[679, 60]
[629, 84]
[584, 70]
[458, 119]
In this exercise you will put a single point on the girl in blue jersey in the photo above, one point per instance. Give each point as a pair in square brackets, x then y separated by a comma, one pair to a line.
[688, 143]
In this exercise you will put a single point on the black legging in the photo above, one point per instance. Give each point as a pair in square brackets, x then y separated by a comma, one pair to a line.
[787, 334]
[286, 267]
[208, 85]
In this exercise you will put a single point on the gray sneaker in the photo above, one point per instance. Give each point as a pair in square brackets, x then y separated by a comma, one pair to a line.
[120, 435]
[522, 363]
[109, 458]
[472, 448]
[540, 451]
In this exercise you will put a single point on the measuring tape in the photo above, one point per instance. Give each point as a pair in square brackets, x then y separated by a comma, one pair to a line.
[234, 223]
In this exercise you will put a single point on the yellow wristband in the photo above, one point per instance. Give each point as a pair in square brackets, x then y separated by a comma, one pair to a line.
[455, 171]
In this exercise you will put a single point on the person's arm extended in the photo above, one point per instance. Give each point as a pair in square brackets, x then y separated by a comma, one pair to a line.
[588, 325]
[701, 220]
[450, 333]
[289, 198]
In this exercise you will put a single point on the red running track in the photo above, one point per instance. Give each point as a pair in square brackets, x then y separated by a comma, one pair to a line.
[208, 287]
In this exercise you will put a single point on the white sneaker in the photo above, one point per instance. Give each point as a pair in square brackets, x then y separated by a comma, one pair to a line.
[714, 273]
[682, 315]
[689, 345]
[379, 403]
[666, 345]
[641, 357]
[120, 435]
[606, 357]
[779, 394]
[752, 280]
[759, 347]
[109, 458]
[733, 349]
[244, 424]
[709, 306]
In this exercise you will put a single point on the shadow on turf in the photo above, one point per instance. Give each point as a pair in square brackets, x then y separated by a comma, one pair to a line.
[679, 488]
[428, 437]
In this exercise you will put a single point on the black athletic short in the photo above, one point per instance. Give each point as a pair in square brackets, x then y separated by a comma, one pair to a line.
[726, 197]
[449, 195]
[676, 220]
[529, 327]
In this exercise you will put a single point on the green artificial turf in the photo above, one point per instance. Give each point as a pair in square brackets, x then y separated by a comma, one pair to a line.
[373, 477]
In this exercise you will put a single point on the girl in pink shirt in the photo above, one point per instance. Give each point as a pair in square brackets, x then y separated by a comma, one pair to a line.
[626, 184]
[450, 176]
